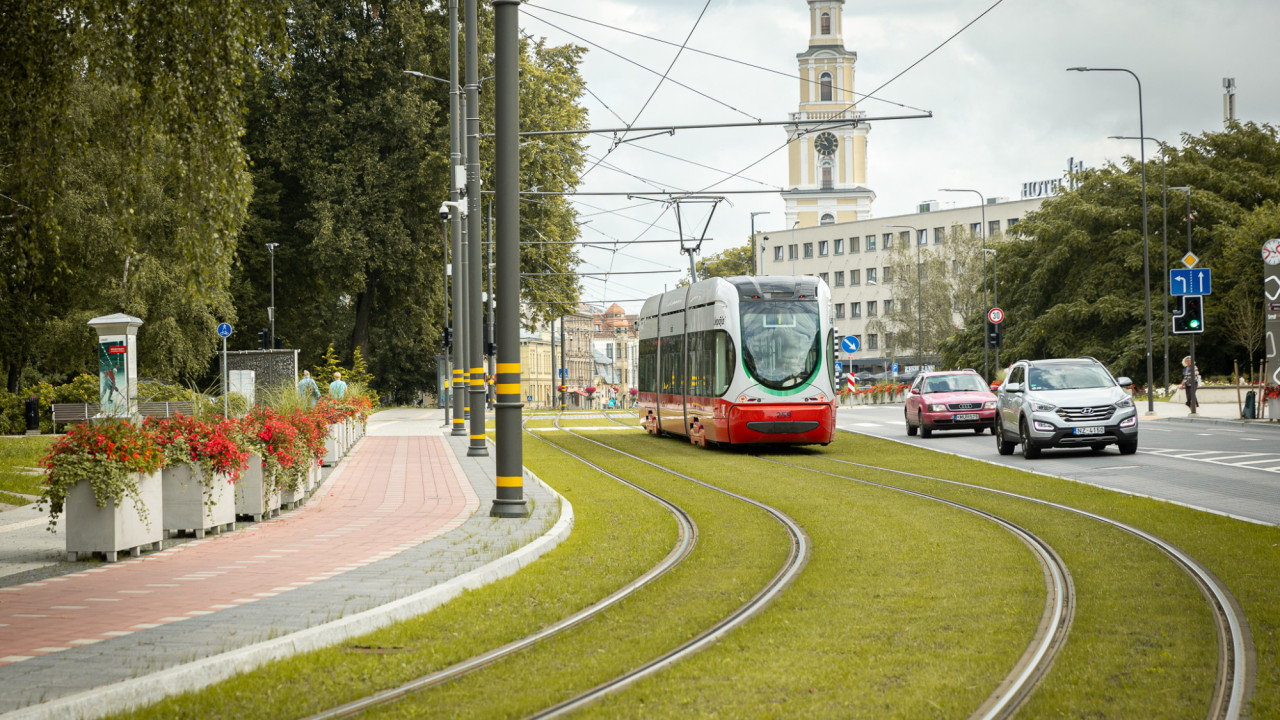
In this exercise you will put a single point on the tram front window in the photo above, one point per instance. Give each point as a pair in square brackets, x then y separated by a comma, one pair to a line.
[781, 345]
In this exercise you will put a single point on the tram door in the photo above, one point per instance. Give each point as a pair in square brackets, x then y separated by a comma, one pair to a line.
[671, 367]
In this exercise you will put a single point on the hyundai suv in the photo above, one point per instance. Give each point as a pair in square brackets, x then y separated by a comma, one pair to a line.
[1064, 403]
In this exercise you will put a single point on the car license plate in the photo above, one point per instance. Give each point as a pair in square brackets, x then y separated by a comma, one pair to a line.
[965, 417]
[1094, 430]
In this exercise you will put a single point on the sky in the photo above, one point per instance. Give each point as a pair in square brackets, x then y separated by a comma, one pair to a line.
[1005, 110]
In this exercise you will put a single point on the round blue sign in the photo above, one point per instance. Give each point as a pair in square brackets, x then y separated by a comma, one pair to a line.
[224, 329]
[849, 344]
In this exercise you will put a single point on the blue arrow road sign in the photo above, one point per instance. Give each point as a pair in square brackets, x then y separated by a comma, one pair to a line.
[1194, 281]
[224, 330]
[849, 344]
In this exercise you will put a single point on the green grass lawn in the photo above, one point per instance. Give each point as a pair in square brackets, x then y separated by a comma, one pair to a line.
[19, 457]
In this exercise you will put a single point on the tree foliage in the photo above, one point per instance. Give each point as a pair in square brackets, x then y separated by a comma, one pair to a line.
[731, 262]
[1071, 274]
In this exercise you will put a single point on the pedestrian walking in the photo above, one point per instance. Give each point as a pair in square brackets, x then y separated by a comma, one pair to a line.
[1190, 381]
[337, 388]
[308, 390]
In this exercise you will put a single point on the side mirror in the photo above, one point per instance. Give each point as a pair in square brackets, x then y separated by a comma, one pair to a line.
[1124, 382]
[915, 391]
[1013, 387]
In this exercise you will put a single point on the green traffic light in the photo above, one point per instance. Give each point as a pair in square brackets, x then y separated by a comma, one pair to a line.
[1195, 323]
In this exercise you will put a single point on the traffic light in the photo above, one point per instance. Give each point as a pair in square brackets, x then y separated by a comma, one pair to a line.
[264, 339]
[1190, 316]
[994, 338]
[446, 339]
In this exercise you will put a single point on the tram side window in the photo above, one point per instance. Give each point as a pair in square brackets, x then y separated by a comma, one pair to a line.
[696, 359]
[671, 356]
[711, 362]
[648, 362]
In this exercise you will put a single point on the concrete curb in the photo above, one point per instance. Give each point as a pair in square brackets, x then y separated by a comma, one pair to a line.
[138, 692]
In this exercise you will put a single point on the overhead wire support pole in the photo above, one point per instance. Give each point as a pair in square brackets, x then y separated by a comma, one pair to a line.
[509, 500]
[475, 235]
[455, 235]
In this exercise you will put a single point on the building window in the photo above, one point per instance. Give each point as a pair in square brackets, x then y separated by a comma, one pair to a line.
[824, 24]
[993, 228]
[839, 311]
[905, 237]
[827, 182]
[855, 277]
[975, 229]
[871, 308]
[871, 243]
[923, 238]
[855, 310]
[808, 250]
[887, 240]
[823, 277]
[888, 307]
[822, 248]
[839, 278]
[855, 245]
[824, 86]
[871, 276]
[777, 253]
[827, 219]
[888, 274]
[839, 246]
[938, 235]
[873, 342]
[1012, 222]
[791, 252]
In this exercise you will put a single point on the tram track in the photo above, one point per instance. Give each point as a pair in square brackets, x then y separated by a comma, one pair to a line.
[685, 543]
[796, 559]
[1235, 668]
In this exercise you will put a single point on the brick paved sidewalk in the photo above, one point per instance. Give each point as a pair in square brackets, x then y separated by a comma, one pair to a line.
[400, 514]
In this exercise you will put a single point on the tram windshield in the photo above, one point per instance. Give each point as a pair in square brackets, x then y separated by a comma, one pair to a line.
[781, 342]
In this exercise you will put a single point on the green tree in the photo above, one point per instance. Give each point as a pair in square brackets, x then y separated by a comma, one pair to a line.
[731, 262]
[1071, 274]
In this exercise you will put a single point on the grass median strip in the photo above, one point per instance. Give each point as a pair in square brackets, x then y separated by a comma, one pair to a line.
[19, 466]
[1143, 641]
[907, 608]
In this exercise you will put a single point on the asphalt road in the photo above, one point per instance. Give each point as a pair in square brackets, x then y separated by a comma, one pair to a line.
[1228, 468]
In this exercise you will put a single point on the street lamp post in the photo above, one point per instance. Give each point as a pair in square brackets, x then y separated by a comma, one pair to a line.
[1191, 338]
[982, 233]
[754, 270]
[995, 295]
[919, 298]
[763, 250]
[271, 311]
[1164, 203]
[1146, 264]
[793, 243]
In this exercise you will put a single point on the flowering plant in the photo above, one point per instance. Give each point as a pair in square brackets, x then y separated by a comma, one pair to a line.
[1270, 392]
[110, 454]
[588, 390]
[276, 440]
[215, 446]
[312, 429]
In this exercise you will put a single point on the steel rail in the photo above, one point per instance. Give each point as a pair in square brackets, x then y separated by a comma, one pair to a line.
[796, 560]
[1055, 621]
[688, 538]
[1236, 671]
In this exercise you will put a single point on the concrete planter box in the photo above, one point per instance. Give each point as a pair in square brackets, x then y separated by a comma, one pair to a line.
[189, 505]
[116, 527]
[1213, 395]
[252, 498]
[1273, 408]
[333, 447]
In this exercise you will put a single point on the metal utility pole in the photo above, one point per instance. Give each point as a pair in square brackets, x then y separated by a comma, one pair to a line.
[271, 311]
[491, 325]
[455, 238]
[509, 501]
[475, 233]
[563, 366]
[982, 232]
[755, 270]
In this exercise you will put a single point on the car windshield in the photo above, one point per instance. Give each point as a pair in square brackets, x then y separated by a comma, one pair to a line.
[780, 341]
[955, 383]
[1068, 377]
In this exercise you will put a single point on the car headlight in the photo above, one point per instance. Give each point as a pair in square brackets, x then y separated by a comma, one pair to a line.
[937, 408]
[1037, 406]
[1125, 402]
[989, 405]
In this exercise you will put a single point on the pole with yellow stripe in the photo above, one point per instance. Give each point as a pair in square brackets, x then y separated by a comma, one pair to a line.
[509, 500]
[475, 236]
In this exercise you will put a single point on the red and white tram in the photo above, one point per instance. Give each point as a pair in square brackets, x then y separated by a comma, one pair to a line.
[741, 360]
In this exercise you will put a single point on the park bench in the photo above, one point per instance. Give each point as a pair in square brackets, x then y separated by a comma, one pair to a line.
[81, 412]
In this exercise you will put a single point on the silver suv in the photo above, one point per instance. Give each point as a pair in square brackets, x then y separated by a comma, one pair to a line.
[1064, 403]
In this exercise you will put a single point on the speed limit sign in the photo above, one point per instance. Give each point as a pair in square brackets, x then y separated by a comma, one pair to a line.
[996, 315]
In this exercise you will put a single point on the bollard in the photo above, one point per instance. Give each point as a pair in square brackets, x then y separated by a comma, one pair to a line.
[33, 416]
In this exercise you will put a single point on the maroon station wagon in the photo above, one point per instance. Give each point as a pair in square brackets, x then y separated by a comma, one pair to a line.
[955, 400]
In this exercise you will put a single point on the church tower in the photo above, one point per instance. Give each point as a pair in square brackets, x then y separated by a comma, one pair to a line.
[828, 163]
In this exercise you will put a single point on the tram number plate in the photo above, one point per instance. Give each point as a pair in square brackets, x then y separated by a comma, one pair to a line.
[1092, 430]
[965, 417]
[782, 415]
